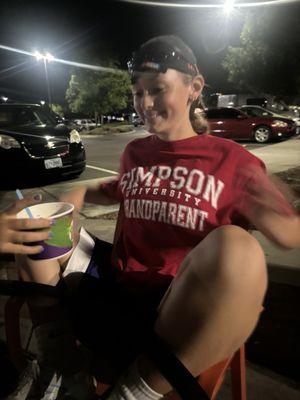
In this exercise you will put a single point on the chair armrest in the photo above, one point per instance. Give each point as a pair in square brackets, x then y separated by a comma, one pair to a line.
[24, 289]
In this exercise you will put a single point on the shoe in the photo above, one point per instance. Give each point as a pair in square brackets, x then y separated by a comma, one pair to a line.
[26, 386]
[60, 371]
[44, 383]
[58, 352]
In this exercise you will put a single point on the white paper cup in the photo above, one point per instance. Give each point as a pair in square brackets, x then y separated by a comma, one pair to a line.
[61, 241]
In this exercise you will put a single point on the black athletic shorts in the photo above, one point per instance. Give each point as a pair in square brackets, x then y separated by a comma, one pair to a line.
[111, 320]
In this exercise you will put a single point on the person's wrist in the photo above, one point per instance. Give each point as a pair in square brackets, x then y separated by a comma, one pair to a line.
[85, 191]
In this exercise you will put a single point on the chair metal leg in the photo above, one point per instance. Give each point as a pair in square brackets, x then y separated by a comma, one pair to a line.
[238, 375]
[12, 330]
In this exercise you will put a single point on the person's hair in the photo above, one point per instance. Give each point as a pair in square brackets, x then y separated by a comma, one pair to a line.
[197, 119]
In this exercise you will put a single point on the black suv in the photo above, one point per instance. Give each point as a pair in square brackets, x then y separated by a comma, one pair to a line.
[33, 144]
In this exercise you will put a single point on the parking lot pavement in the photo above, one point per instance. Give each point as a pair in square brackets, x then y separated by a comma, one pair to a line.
[280, 156]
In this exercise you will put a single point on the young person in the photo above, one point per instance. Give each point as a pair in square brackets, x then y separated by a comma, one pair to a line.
[182, 262]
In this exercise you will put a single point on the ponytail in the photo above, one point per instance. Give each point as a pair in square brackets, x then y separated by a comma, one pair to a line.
[198, 121]
[197, 118]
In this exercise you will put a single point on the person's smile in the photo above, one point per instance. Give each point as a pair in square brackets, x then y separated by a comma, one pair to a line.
[152, 117]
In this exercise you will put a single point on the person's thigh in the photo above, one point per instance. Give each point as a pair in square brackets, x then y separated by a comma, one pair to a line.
[113, 322]
[111, 319]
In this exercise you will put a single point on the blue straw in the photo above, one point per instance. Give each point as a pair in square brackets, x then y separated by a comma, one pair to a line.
[20, 197]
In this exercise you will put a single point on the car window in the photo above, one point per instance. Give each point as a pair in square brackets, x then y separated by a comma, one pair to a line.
[251, 111]
[266, 112]
[18, 117]
[5, 117]
[213, 114]
[25, 116]
[44, 117]
[228, 113]
[257, 112]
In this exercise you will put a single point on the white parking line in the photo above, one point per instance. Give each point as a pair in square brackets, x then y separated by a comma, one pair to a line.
[102, 169]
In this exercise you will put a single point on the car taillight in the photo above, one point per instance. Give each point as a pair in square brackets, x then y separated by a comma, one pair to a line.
[8, 142]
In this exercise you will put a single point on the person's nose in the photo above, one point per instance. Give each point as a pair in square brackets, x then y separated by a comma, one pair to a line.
[147, 101]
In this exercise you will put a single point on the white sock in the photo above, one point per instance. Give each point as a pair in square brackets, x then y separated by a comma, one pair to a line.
[131, 386]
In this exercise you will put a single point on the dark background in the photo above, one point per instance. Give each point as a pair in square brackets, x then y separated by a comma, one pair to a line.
[90, 32]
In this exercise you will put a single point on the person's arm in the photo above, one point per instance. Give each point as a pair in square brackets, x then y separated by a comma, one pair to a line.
[267, 205]
[283, 230]
[104, 194]
[98, 196]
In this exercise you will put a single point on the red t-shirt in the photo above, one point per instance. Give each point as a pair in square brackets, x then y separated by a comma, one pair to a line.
[173, 194]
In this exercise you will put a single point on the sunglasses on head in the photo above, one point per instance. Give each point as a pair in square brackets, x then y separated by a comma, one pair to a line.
[160, 62]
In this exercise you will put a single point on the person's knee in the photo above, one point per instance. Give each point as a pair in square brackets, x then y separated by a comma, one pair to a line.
[230, 255]
[238, 253]
[40, 271]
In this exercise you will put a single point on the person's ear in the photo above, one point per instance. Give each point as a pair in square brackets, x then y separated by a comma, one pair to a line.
[196, 87]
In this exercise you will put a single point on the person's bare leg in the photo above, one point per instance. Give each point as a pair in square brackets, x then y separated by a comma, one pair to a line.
[47, 272]
[213, 304]
[56, 344]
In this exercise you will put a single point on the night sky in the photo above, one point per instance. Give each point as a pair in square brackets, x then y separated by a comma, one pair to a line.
[85, 32]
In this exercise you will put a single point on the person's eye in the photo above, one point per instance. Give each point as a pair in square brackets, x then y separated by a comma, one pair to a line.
[156, 90]
[137, 93]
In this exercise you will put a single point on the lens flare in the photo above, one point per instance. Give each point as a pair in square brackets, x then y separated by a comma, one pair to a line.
[212, 5]
[49, 57]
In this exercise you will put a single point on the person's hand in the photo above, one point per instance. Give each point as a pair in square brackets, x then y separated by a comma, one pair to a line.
[75, 197]
[16, 232]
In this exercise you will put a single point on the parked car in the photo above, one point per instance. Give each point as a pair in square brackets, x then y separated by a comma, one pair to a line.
[113, 118]
[85, 124]
[32, 144]
[232, 123]
[137, 121]
[257, 111]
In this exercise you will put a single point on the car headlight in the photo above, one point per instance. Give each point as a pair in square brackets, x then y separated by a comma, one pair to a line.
[8, 142]
[74, 136]
[297, 121]
[279, 124]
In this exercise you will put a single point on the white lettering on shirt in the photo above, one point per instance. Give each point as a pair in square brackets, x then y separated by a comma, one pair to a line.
[189, 188]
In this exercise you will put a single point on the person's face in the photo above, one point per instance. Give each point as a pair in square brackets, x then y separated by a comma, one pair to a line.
[162, 100]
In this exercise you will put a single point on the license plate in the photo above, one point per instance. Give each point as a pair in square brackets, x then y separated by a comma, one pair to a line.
[53, 163]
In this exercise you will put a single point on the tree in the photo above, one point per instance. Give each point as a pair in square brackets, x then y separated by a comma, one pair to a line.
[268, 59]
[98, 93]
[57, 109]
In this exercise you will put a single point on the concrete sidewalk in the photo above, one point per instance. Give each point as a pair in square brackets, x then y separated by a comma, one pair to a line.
[280, 156]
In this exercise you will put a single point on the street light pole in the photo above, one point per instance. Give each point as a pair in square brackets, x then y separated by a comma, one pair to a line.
[46, 58]
[47, 81]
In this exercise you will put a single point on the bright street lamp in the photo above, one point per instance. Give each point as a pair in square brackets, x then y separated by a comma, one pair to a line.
[228, 6]
[47, 57]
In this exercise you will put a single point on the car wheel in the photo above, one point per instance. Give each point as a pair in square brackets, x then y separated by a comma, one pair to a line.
[262, 134]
